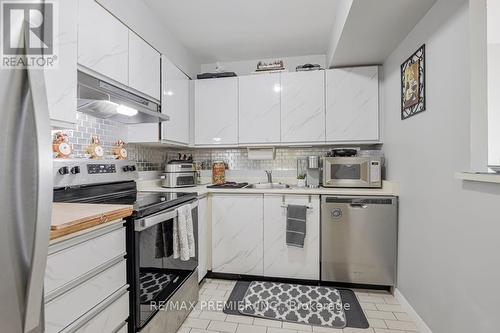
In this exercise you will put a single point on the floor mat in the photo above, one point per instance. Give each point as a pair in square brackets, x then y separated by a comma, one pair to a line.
[354, 314]
[312, 305]
[153, 283]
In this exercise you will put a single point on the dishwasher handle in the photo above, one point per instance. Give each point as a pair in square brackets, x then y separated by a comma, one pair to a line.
[358, 205]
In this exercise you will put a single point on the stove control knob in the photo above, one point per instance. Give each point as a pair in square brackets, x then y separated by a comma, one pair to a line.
[131, 168]
[75, 170]
[126, 168]
[63, 171]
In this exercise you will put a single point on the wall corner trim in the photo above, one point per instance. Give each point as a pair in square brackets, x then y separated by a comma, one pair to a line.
[421, 325]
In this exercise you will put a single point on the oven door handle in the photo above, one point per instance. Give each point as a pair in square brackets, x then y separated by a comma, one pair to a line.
[150, 221]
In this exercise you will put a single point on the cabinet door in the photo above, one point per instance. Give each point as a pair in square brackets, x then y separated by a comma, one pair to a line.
[281, 260]
[237, 234]
[102, 41]
[143, 66]
[216, 111]
[303, 106]
[202, 238]
[175, 103]
[61, 81]
[259, 108]
[352, 112]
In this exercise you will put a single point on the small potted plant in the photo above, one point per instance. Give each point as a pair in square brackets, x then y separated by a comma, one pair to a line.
[301, 180]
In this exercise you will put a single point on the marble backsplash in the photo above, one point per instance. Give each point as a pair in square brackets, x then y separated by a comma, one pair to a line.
[153, 158]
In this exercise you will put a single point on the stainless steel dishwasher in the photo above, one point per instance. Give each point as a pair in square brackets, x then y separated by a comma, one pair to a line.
[359, 239]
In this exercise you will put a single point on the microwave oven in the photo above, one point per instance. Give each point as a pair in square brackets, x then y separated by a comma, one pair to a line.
[352, 172]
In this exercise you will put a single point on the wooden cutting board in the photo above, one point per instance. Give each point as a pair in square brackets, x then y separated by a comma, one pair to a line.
[72, 217]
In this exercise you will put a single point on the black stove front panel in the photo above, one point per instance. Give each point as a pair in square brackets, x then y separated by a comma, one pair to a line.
[148, 203]
[124, 193]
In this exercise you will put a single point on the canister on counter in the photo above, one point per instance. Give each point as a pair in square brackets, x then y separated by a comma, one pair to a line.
[218, 173]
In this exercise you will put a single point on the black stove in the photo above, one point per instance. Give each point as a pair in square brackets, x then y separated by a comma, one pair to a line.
[154, 274]
[148, 203]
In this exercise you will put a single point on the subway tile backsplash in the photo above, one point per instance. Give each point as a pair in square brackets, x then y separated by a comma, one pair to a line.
[153, 158]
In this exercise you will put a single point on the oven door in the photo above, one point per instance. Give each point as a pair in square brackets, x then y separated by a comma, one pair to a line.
[346, 172]
[154, 274]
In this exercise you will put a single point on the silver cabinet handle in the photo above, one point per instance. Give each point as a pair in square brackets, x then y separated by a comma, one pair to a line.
[34, 291]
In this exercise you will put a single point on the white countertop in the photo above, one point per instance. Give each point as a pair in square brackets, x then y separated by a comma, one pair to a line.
[388, 189]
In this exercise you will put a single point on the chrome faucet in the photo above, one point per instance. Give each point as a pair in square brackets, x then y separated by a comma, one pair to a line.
[269, 174]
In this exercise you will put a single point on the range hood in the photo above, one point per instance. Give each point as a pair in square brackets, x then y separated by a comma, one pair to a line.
[103, 100]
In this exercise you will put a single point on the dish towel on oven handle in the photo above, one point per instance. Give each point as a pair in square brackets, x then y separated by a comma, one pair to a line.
[184, 244]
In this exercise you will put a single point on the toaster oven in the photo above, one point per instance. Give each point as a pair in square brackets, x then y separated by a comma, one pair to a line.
[179, 174]
[352, 172]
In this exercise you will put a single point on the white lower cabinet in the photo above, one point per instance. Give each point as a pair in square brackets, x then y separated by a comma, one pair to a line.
[86, 282]
[237, 234]
[202, 238]
[281, 260]
[249, 236]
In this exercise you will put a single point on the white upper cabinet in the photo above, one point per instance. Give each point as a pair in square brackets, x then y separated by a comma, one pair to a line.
[61, 81]
[143, 66]
[303, 107]
[352, 111]
[259, 108]
[102, 42]
[216, 111]
[175, 103]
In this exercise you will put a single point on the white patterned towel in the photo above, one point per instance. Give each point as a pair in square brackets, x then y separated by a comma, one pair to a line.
[184, 245]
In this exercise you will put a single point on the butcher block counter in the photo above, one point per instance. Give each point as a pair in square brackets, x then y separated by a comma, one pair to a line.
[71, 218]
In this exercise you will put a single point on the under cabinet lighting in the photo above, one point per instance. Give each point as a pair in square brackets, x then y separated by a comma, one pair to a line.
[277, 88]
[126, 111]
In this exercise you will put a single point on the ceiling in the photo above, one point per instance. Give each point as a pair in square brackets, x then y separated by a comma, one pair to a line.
[229, 30]
[232, 30]
[374, 28]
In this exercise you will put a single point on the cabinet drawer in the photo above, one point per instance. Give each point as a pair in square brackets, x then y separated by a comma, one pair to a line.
[109, 319]
[68, 264]
[65, 309]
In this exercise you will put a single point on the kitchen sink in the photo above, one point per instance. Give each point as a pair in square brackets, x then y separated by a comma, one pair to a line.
[268, 186]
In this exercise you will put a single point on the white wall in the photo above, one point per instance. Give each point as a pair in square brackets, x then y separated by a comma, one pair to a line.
[141, 19]
[448, 229]
[494, 81]
[248, 66]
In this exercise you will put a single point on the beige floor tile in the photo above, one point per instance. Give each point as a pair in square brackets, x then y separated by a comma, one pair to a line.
[371, 299]
[184, 329]
[379, 315]
[297, 326]
[280, 330]
[402, 316]
[390, 300]
[389, 307]
[401, 325]
[222, 326]
[377, 323]
[239, 319]
[194, 313]
[266, 322]
[358, 330]
[197, 330]
[196, 323]
[212, 315]
[243, 328]
[321, 329]
[214, 292]
[368, 306]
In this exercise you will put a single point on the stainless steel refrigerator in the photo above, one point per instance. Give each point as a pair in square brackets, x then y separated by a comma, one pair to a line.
[25, 198]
